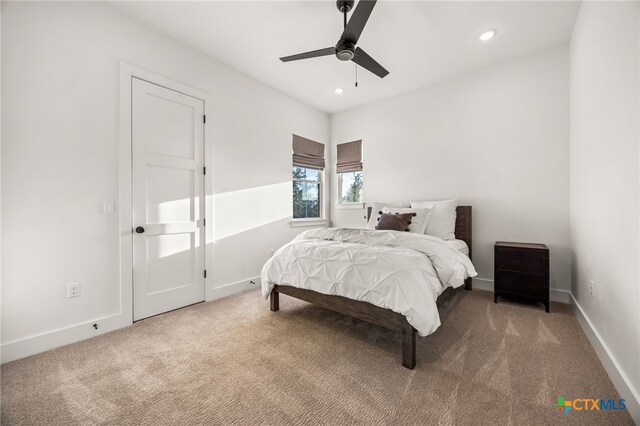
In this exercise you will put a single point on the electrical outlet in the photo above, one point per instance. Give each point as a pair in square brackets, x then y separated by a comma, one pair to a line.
[591, 288]
[73, 290]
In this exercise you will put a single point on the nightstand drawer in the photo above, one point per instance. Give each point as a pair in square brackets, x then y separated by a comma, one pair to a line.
[521, 260]
[522, 284]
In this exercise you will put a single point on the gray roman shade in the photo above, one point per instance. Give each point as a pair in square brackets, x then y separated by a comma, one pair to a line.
[307, 153]
[349, 157]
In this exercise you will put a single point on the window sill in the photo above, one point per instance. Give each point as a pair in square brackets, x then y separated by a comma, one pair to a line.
[350, 206]
[302, 223]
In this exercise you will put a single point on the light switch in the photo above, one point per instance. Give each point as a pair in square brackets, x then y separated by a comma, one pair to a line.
[108, 207]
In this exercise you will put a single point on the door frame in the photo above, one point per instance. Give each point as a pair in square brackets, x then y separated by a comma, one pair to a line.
[125, 174]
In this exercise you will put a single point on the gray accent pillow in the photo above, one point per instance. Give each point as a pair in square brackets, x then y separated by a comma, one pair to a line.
[394, 221]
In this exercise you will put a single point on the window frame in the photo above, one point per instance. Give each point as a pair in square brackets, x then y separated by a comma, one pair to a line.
[310, 221]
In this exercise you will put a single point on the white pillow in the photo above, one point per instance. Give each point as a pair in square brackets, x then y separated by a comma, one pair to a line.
[419, 221]
[377, 207]
[443, 218]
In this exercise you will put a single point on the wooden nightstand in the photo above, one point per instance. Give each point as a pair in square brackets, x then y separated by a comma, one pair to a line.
[521, 270]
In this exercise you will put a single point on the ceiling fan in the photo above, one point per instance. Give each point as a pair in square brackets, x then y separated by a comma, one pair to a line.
[346, 49]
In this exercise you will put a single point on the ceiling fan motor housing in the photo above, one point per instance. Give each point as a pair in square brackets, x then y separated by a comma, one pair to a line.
[345, 51]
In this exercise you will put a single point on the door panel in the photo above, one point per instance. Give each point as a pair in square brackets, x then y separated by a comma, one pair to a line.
[166, 202]
[168, 184]
[171, 129]
[170, 260]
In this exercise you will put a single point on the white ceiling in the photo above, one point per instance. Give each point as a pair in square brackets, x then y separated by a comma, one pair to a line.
[420, 43]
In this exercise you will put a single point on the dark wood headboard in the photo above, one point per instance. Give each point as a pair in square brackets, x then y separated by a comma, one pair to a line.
[463, 224]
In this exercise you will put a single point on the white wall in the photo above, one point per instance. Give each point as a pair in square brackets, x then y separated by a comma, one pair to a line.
[496, 139]
[605, 214]
[60, 109]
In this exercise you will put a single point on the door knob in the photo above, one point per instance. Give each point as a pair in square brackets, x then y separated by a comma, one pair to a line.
[140, 230]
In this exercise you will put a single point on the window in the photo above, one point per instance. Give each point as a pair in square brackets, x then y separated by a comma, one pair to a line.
[307, 193]
[349, 168]
[350, 187]
[307, 175]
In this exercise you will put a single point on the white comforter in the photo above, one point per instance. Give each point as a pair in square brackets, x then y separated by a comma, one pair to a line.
[401, 271]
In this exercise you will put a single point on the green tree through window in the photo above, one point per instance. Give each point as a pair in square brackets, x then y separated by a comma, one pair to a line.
[351, 187]
[307, 184]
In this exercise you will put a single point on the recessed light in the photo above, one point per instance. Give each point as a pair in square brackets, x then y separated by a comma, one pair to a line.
[338, 90]
[487, 35]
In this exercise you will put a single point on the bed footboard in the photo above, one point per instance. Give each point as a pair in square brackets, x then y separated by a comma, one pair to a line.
[361, 310]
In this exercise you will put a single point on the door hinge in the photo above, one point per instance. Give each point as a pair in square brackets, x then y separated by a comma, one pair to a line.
[204, 119]
[204, 170]
[204, 222]
[205, 273]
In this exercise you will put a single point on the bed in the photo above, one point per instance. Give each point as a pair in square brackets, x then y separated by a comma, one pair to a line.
[369, 312]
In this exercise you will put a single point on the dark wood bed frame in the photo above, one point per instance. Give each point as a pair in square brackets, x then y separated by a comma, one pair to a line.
[375, 314]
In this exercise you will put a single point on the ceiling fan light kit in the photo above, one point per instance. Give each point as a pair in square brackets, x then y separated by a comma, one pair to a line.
[346, 49]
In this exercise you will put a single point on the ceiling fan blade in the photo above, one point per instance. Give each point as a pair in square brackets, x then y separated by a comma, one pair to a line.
[358, 20]
[366, 61]
[313, 54]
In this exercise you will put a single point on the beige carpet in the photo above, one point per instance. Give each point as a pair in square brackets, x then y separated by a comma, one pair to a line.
[234, 361]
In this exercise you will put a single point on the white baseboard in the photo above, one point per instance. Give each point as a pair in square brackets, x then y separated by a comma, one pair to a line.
[556, 295]
[32, 345]
[233, 288]
[618, 377]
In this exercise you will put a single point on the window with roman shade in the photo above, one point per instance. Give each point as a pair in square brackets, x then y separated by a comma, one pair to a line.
[308, 153]
[349, 157]
[349, 169]
[307, 177]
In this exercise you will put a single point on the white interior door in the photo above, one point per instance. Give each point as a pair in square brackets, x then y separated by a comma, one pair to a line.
[168, 204]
